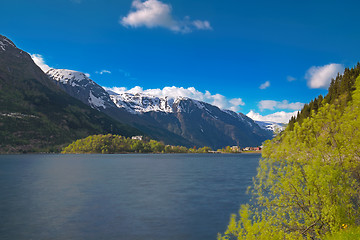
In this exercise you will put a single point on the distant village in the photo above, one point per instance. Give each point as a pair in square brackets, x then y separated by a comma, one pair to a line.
[237, 149]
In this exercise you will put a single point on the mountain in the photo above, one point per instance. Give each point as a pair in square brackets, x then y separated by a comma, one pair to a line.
[176, 121]
[199, 122]
[140, 103]
[271, 126]
[78, 85]
[35, 114]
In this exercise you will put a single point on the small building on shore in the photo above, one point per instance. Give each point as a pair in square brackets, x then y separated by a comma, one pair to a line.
[137, 138]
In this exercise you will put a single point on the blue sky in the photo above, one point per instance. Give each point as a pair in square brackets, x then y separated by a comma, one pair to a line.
[267, 57]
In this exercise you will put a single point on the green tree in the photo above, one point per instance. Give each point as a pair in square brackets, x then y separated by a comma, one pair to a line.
[307, 185]
[118, 144]
[340, 89]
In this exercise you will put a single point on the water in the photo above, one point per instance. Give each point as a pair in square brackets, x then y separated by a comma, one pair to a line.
[128, 197]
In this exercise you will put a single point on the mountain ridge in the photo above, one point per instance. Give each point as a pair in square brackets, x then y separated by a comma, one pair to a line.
[190, 122]
[179, 121]
[35, 114]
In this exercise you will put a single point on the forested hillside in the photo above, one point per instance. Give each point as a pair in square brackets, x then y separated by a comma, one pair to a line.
[308, 184]
[36, 115]
[340, 89]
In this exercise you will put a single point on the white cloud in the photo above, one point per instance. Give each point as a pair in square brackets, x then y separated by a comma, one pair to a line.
[103, 71]
[265, 85]
[272, 105]
[290, 78]
[237, 101]
[154, 13]
[173, 92]
[278, 117]
[320, 76]
[87, 74]
[39, 60]
[202, 25]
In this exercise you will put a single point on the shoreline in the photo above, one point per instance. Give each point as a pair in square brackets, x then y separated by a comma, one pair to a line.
[59, 153]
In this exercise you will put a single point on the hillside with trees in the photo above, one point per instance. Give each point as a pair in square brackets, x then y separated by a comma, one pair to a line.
[118, 144]
[340, 90]
[36, 115]
[308, 182]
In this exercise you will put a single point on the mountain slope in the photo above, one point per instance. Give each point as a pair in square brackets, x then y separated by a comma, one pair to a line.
[199, 122]
[36, 114]
[78, 85]
[271, 126]
[179, 121]
[340, 90]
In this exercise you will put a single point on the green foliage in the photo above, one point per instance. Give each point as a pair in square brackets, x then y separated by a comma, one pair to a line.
[118, 144]
[308, 183]
[339, 91]
[229, 149]
[345, 233]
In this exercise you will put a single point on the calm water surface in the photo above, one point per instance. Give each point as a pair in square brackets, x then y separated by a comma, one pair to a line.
[128, 197]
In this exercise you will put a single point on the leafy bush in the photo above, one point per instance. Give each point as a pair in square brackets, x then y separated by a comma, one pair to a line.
[308, 183]
[345, 233]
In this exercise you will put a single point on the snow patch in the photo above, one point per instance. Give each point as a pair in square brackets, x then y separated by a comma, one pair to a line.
[2, 46]
[234, 114]
[97, 102]
[271, 126]
[140, 103]
[64, 76]
[9, 42]
[4, 42]
[199, 104]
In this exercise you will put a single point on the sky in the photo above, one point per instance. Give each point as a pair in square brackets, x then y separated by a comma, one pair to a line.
[262, 58]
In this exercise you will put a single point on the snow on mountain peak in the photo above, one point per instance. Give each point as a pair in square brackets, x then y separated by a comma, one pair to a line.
[66, 76]
[140, 103]
[137, 103]
[79, 85]
[5, 42]
[271, 126]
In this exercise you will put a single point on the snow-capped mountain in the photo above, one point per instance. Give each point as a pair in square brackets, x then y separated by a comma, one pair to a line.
[197, 121]
[139, 103]
[78, 85]
[272, 126]
[179, 120]
[36, 114]
[176, 121]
